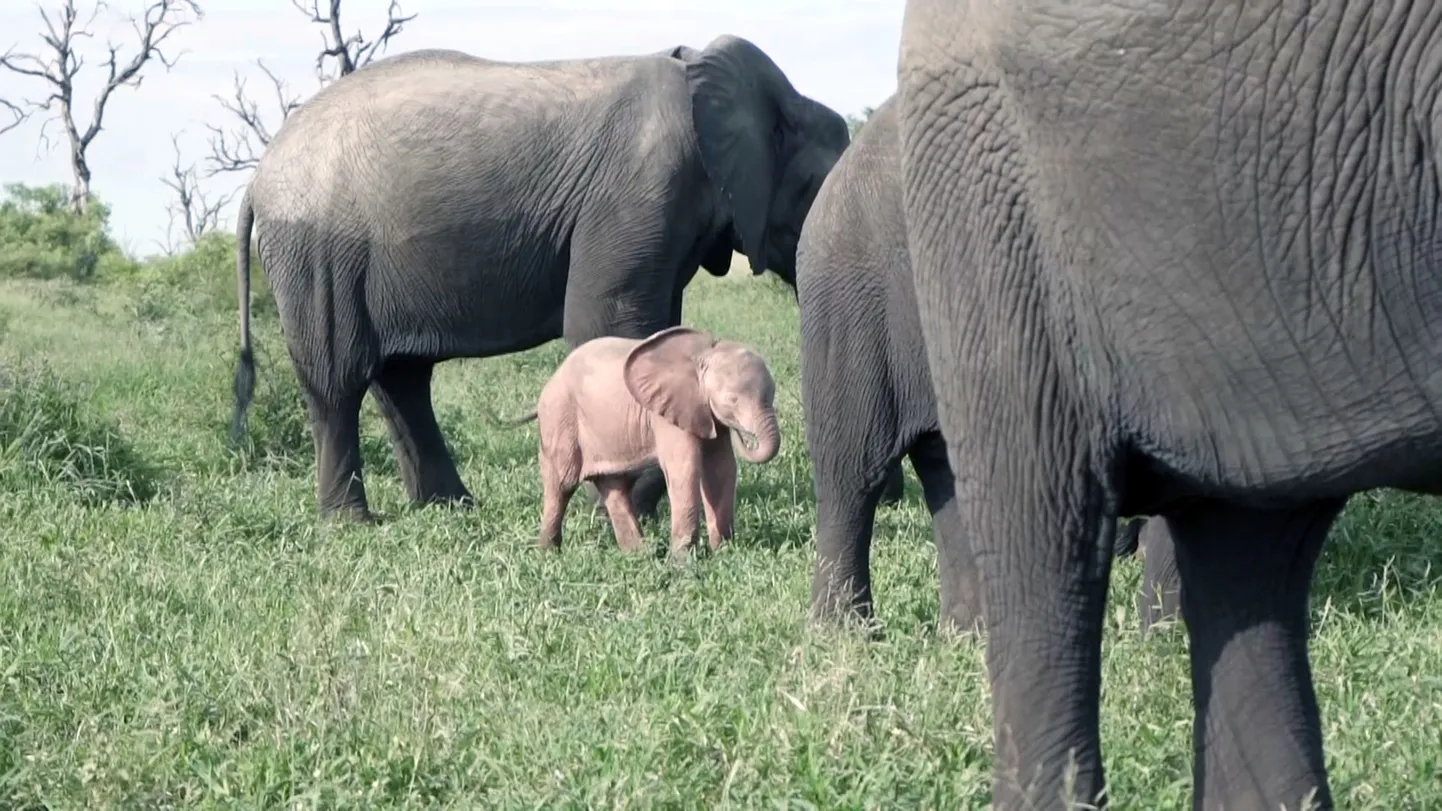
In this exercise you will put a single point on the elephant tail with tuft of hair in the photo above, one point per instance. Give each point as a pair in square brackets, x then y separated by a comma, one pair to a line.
[245, 368]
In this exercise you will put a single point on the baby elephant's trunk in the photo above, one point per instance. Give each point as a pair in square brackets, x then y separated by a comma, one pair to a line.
[762, 425]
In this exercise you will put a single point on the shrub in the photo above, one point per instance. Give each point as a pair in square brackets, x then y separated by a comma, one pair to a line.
[205, 275]
[277, 428]
[41, 238]
[50, 441]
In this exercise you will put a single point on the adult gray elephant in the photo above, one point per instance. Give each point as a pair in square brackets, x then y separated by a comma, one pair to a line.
[436, 205]
[1179, 259]
[865, 385]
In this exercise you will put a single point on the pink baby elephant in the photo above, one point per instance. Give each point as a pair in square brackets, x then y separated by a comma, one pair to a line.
[616, 405]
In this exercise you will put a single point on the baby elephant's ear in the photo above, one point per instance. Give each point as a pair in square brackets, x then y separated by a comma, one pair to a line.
[662, 374]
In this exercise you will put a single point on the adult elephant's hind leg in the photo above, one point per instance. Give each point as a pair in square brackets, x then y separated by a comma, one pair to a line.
[1043, 550]
[849, 477]
[1160, 597]
[335, 430]
[955, 564]
[402, 389]
[1246, 575]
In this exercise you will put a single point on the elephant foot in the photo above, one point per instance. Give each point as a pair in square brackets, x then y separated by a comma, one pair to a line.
[845, 613]
[455, 501]
[682, 555]
[862, 624]
[438, 488]
[958, 625]
[353, 514]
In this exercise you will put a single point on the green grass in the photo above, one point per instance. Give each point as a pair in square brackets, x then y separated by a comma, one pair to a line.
[176, 628]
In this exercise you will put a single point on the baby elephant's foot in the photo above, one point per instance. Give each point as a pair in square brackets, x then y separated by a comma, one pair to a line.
[717, 541]
[631, 546]
[680, 554]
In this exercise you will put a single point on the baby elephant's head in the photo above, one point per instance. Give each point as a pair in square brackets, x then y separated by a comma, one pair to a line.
[693, 381]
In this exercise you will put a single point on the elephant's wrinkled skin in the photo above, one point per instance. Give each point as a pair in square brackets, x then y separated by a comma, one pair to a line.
[435, 205]
[864, 382]
[679, 397]
[1178, 259]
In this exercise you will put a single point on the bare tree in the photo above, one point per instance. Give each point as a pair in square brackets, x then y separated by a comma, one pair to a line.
[58, 65]
[350, 52]
[239, 148]
[17, 114]
[191, 212]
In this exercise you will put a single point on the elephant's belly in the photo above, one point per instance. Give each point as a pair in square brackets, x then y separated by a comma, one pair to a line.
[469, 312]
[614, 437]
[1281, 435]
[442, 341]
[607, 457]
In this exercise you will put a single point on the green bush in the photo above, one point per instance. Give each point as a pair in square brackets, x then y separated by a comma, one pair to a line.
[50, 441]
[277, 429]
[41, 238]
[204, 275]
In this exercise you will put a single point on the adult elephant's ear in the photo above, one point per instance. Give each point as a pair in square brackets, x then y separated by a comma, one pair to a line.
[736, 98]
[663, 374]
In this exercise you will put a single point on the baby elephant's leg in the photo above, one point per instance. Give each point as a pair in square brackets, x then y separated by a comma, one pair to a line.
[558, 483]
[718, 490]
[616, 495]
[680, 455]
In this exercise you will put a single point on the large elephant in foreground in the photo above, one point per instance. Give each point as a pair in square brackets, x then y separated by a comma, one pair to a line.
[1181, 259]
[864, 382]
[436, 205]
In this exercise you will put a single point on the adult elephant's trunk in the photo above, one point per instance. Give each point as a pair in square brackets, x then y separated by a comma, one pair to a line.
[760, 424]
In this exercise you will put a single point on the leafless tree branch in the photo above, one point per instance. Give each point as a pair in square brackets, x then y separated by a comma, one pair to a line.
[58, 64]
[239, 148]
[350, 52]
[19, 115]
[190, 210]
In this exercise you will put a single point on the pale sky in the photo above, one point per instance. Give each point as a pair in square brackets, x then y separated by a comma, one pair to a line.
[840, 52]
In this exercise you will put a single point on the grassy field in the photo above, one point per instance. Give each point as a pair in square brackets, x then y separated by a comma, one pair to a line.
[177, 629]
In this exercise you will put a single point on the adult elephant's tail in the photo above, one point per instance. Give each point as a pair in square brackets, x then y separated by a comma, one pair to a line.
[245, 367]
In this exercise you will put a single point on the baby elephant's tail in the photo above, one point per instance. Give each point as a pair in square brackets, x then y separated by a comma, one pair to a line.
[516, 421]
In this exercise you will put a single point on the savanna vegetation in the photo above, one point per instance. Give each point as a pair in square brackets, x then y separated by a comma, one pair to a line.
[178, 630]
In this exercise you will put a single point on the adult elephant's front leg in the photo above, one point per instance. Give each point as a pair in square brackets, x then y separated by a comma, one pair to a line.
[1246, 575]
[1033, 507]
[402, 388]
[649, 487]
